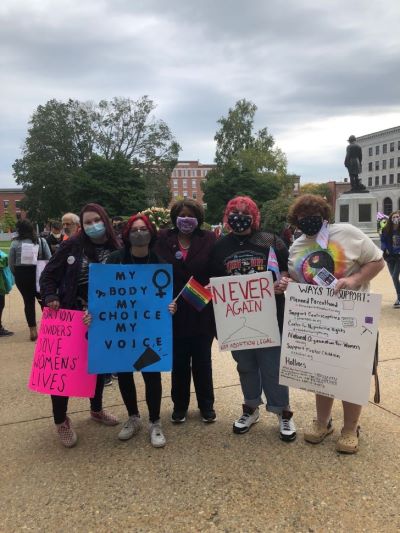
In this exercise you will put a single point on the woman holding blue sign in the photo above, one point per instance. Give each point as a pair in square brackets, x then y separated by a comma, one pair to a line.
[139, 234]
[187, 247]
[64, 284]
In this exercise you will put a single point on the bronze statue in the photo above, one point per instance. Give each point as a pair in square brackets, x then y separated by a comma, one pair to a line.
[353, 164]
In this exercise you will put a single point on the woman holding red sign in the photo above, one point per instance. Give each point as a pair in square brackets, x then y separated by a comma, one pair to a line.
[64, 284]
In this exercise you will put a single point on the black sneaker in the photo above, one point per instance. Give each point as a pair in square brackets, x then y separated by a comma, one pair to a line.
[208, 416]
[178, 417]
[107, 381]
[5, 333]
[396, 304]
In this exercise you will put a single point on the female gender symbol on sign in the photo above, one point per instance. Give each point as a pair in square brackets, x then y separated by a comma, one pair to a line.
[161, 272]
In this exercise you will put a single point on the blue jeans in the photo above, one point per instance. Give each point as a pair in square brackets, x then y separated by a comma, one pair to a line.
[259, 371]
[394, 269]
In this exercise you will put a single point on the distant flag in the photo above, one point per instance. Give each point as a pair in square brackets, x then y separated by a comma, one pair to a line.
[273, 263]
[195, 294]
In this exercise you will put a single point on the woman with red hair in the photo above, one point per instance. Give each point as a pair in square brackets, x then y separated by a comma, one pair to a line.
[64, 283]
[138, 236]
[245, 250]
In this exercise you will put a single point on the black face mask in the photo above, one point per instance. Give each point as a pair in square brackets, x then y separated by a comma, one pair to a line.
[239, 223]
[310, 225]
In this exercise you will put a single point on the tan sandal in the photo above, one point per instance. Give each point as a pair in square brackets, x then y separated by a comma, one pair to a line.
[348, 441]
[317, 432]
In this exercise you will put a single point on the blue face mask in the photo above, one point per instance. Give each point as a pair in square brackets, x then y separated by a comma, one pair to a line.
[95, 231]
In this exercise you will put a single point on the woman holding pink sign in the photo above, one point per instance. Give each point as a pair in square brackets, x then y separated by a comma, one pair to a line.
[64, 284]
[351, 257]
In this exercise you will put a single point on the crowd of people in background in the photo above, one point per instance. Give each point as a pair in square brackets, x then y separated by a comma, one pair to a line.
[239, 247]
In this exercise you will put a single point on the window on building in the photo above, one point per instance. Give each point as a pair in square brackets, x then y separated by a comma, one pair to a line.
[392, 147]
[194, 184]
[398, 204]
[376, 181]
[175, 194]
[376, 165]
[383, 180]
[175, 183]
[193, 173]
[179, 173]
[370, 151]
[369, 182]
[391, 179]
[184, 183]
[398, 178]
[185, 194]
[398, 161]
[384, 164]
[387, 206]
[370, 166]
[205, 172]
[376, 150]
[17, 204]
[194, 196]
[391, 165]
[384, 149]
[199, 173]
[398, 145]
[6, 203]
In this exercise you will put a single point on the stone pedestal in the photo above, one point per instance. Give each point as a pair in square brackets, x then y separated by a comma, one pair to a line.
[360, 210]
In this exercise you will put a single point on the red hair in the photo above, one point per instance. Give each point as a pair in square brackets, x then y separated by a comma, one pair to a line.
[243, 203]
[150, 226]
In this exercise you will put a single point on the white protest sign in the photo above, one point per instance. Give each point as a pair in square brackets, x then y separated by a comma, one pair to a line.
[29, 253]
[328, 341]
[245, 311]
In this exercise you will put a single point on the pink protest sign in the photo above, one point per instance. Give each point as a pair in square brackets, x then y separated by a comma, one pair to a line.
[60, 362]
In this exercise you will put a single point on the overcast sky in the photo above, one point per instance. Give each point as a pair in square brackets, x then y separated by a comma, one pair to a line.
[317, 70]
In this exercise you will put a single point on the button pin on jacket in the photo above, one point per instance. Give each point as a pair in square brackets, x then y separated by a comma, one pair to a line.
[71, 260]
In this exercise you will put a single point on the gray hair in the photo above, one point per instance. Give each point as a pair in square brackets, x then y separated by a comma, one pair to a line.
[73, 217]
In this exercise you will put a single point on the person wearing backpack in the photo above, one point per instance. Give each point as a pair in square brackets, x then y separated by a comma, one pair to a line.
[6, 284]
[25, 250]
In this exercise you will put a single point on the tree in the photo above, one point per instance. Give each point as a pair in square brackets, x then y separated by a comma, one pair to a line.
[63, 137]
[274, 213]
[112, 183]
[232, 181]
[248, 162]
[7, 222]
[321, 189]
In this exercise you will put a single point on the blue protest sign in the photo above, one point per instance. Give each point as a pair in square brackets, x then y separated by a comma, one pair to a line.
[131, 327]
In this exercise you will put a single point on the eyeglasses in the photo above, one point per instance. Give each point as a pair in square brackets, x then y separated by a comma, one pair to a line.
[139, 230]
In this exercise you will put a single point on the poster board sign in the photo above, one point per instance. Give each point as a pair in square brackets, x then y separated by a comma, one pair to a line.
[131, 327]
[328, 341]
[60, 361]
[245, 311]
[29, 253]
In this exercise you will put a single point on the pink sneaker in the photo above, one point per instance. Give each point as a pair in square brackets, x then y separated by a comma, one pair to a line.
[104, 417]
[67, 435]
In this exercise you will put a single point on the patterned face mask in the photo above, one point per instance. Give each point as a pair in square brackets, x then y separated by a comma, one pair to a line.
[239, 222]
[310, 225]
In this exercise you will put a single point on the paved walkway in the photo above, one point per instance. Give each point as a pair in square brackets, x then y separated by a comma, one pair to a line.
[206, 478]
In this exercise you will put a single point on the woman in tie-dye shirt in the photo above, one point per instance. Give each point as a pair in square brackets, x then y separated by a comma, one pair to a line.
[352, 257]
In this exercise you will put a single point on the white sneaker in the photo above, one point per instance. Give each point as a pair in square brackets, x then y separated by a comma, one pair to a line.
[249, 417]
[156, 435]
[287, 429]
[130, 428]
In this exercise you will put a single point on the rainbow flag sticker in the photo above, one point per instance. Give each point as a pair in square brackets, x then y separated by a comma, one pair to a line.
[195, 294]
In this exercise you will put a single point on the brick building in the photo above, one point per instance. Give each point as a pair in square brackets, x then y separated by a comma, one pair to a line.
[10, 200]
[186, 179]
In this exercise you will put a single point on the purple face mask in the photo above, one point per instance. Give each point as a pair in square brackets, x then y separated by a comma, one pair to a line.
[186, 224]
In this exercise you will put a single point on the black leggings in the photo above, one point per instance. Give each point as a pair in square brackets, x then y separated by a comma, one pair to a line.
[25, 280]
[60, 403]
[127, 388]
[2, 305]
